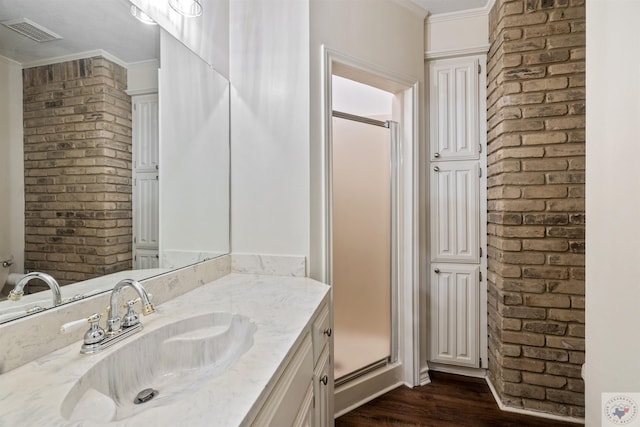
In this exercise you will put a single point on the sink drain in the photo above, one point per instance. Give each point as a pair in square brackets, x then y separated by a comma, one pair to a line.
[145, 395]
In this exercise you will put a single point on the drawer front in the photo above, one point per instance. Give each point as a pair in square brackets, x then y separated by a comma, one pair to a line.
[321, 332]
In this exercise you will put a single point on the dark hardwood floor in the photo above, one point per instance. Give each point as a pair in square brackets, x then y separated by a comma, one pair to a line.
[449, 401]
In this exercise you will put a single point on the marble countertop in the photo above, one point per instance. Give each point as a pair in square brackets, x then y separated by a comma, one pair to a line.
[280, 307]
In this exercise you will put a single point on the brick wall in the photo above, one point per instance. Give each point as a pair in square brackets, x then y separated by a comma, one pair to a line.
[536, 175]
[77, 154]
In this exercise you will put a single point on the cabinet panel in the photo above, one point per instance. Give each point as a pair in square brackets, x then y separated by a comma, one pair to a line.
[284, 403]
[145, 132]
[454, 314]
[323, 391]
[146, 226]
[306, 416]
[455, 212]
[453, 116]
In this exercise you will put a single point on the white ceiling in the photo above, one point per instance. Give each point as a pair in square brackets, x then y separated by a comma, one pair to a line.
[446, 6]
[89, 25]
[85, 25]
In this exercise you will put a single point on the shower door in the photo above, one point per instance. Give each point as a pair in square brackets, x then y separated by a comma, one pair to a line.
[363, 267]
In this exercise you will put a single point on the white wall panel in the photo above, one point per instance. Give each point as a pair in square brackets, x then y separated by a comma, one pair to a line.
[11, 164]
[270, 126]
[612, 202]
[194, 156]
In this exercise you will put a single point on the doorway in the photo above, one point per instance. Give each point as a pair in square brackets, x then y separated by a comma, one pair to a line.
[364, 241]
[397, 361]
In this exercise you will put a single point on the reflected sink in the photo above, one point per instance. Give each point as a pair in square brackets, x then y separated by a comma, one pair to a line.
[173, 360]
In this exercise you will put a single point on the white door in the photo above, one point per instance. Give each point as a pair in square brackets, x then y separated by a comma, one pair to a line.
[454, 211]
[454, 314]
[145, 181]
[453, 118]
[457, 224]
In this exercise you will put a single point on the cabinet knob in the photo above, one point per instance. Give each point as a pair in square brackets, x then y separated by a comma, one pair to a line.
[327, 332]
[436, 270]
[324, 380]
[436, 155]
[436, 168]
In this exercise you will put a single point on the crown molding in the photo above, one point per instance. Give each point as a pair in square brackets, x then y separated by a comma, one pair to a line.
[75, 56]
[9, 61]
[413, 7]
[463, 14]
[450, 53]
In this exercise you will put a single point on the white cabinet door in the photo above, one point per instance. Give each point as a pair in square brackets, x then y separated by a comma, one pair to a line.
[454, 314]
[145, 200]
[145, 130]
[453, 106]
[323, 390]
[455, 212]
[306, 415]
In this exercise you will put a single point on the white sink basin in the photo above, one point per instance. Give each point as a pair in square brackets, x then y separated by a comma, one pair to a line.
[174, 361]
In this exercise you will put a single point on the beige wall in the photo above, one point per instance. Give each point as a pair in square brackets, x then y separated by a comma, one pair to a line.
[456, 32]
[613, 202]
[11, 164]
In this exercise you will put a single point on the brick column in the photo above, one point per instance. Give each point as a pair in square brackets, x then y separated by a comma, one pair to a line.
[77, 144]
[536, 175]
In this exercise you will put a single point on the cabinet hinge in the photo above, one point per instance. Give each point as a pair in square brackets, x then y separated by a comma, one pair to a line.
[135, 240]
[479, 69]
[481, 362]
[480, 275]
[480, 172]
[479, 148]
[480, 251]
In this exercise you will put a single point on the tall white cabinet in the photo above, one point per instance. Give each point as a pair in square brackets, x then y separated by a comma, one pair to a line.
[457, 210]
[146, 226]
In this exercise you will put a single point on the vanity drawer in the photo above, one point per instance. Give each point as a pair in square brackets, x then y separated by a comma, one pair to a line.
[321, 332]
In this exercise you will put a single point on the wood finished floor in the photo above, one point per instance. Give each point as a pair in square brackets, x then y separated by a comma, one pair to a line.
[449, 401]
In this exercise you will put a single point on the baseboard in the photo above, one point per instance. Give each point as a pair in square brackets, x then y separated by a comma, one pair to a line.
[505, 408]
[363, 389]
[458, 370]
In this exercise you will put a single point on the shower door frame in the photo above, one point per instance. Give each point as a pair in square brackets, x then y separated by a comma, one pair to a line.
[392, 126]
[406, 370]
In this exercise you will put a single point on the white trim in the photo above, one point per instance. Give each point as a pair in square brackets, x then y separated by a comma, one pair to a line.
[412, 7]
[9, 61]
[521, 411]
[147, 91]
[75, 56]
[335, 62]
[458, 370]
[462, 14]
[450, 53]
[424, 376]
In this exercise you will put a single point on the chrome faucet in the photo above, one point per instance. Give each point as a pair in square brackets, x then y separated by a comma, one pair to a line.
[114, 322]
[96, 338]
[18, 291]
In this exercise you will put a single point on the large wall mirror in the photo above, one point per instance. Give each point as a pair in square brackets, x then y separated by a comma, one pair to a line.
[114, 150]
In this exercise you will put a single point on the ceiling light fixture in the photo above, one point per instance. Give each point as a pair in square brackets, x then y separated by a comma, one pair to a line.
[142, 17]
[188, 8]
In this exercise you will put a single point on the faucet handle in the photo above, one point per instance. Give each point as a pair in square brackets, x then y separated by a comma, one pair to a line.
[131, 318]
[77, 324]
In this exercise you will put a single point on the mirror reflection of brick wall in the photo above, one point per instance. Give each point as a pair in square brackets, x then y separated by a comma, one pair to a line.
[77, 154]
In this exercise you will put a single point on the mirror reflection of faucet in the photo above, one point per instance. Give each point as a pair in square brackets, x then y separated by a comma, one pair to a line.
[18, 291]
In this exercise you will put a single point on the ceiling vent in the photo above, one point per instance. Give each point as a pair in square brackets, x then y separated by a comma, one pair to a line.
[31, 29]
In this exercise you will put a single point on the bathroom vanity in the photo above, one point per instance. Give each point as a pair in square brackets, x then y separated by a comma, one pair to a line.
[243, 350]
